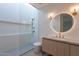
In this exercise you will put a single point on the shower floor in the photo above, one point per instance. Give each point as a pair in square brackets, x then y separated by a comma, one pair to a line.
[17, 52]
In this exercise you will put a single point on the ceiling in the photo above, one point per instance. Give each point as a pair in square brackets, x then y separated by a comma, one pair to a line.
[39, 5]
[48, 7]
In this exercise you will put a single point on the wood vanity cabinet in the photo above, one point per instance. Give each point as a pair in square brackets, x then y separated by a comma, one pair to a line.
[59, 48]
[47, 46]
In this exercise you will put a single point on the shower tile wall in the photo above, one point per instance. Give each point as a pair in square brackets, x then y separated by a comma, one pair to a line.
[16, 27]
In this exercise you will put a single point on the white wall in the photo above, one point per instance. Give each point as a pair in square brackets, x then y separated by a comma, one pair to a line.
[44, 28]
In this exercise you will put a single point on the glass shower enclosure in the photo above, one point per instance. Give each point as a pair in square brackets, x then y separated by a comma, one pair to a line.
[15, 29]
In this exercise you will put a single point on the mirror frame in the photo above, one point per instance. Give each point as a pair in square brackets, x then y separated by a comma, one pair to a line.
[65, 31]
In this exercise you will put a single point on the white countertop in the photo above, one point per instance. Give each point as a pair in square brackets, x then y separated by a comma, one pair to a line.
[65, 40]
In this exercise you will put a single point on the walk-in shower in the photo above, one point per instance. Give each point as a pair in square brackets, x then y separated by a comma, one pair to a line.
[16, 35]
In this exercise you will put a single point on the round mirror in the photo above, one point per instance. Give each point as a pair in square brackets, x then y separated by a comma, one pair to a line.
[62, 22]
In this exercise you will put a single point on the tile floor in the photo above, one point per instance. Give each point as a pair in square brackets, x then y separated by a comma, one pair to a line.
[33, 53]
